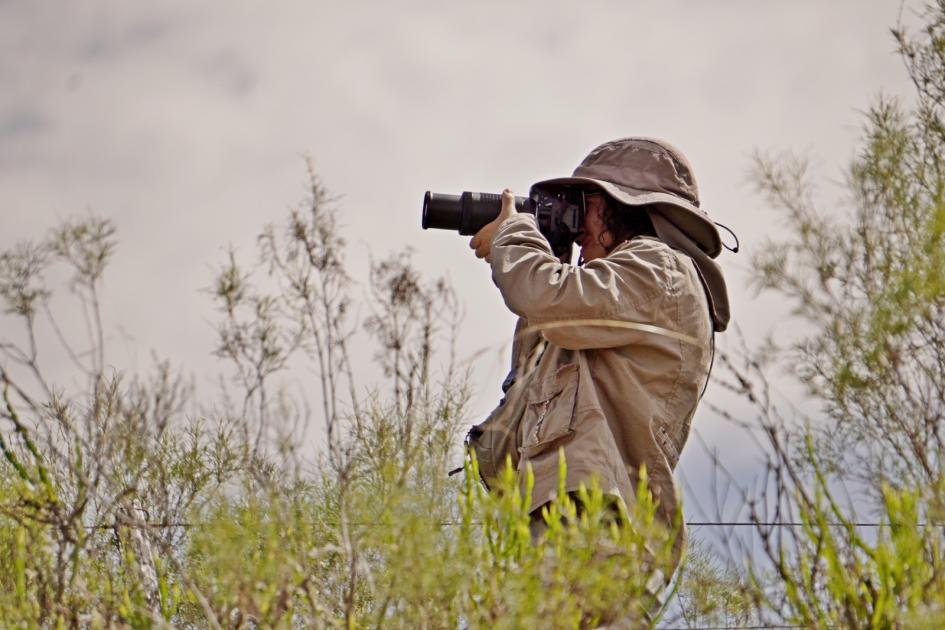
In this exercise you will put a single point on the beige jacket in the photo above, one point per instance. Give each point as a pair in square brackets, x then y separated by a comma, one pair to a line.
[627, 356]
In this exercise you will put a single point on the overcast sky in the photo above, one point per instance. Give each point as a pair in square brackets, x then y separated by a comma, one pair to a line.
[186, 123]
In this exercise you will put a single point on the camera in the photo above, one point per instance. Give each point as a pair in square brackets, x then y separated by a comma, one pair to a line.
[559, 213]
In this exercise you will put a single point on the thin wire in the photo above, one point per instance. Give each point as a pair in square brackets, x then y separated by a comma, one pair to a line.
[794, 524]
[691, 524]
[741, 628]
[456, 523]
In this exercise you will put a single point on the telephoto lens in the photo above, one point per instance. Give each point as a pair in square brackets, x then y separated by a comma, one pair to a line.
[559, 213]
[466, 213]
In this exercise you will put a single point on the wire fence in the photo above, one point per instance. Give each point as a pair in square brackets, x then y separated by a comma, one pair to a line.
[160, 525]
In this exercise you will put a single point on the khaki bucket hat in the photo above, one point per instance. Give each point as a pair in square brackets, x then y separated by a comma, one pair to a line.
[641, 171]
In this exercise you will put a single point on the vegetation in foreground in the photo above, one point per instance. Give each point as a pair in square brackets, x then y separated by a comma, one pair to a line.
[135, 501]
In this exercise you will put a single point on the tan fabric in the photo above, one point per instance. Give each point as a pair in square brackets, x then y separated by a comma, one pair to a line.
[614, 397]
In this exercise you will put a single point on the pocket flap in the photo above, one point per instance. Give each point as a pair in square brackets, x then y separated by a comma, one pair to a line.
[553, 385]
[549, 415]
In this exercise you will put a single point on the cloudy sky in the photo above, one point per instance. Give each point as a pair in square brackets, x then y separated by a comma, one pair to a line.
[186, 123]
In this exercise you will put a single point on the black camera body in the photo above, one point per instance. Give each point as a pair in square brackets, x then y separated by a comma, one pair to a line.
[559, 213]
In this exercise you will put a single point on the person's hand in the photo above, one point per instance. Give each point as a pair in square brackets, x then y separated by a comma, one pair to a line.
[482, 241]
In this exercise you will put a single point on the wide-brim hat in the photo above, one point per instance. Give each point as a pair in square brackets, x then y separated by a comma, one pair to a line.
[640, 171]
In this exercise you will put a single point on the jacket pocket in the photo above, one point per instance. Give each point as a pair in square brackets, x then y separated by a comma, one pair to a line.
[549, 412]
[495, 439]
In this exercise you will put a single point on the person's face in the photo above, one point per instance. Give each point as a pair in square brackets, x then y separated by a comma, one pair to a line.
[595, 240]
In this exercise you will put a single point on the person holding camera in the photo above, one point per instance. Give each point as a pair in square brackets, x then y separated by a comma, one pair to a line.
[611, 354]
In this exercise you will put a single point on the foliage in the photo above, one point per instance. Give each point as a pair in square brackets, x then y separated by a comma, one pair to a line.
[873, 288]
[130, 502]
[713, 592]
[819, 565]
[590, 566]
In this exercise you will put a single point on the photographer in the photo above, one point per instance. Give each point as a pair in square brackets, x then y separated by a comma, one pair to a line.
[611, 354]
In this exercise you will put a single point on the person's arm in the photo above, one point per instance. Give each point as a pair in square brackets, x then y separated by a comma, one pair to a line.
[608, 302]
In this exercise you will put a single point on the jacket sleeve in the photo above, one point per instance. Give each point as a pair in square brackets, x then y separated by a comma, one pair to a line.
[571, 305]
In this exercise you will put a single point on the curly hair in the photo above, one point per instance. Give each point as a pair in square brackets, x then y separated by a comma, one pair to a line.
[624, 222]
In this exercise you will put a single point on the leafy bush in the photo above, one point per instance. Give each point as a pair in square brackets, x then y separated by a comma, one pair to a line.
[129, 502]
[848, 513]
